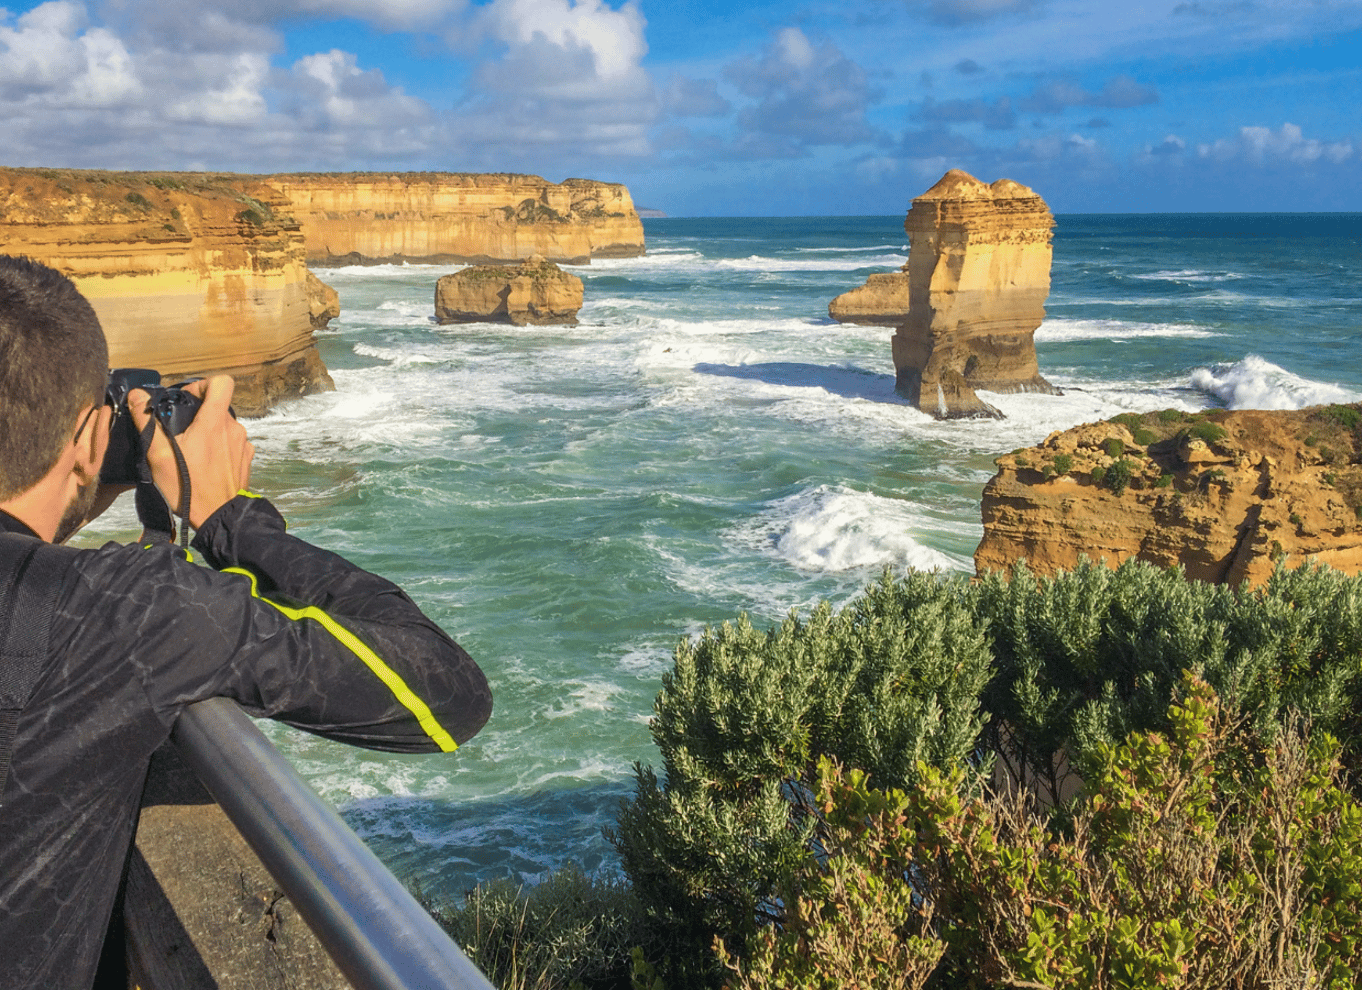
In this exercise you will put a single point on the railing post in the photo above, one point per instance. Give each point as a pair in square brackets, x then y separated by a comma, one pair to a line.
[377, 933]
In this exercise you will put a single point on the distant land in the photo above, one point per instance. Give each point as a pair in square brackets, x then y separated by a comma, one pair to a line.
[648, 213]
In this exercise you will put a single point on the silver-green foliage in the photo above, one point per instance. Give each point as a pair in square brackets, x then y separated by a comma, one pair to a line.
[742, 721]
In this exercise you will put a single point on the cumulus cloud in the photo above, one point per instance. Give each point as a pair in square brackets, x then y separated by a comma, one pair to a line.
[1170, 145]
[996, 116]
[807, 93]
[1264, 146]
[50, 59]
[1119, 93]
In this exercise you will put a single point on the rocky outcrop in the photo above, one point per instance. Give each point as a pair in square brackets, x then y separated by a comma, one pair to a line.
[369, 218]
[534, 292]
[881, 302]
[1225, 495]
[979, 273]
[188, 274]
[323, 302]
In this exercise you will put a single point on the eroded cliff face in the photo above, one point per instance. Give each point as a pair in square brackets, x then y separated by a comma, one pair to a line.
[188, 274]
[534, 292]
[1224, 495]
[979, 273]
[454, 217]
[881, 302]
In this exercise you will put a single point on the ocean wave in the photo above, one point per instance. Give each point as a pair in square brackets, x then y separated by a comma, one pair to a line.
[853, 250]
[1189, 275]
[1057, 330]
[1254, 383]
[760, 263]
[831, 528]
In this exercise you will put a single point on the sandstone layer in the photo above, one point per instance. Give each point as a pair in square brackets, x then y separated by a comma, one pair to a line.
[979, 273]
[188, 274]
[534, 292]
[1225, 495]
[881, 302]
[367, 218]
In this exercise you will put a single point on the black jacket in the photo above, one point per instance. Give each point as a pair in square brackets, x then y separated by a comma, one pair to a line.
[288, 630]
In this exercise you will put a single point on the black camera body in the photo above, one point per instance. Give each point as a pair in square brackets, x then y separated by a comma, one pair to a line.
[170, 405]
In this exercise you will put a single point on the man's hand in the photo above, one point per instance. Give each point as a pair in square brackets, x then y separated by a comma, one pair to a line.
[215, 450]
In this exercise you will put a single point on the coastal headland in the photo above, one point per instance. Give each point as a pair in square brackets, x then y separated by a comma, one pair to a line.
[191, 274]
[376, 218]
[1224, 495]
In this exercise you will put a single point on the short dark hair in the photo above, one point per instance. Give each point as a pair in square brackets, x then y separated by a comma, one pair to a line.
[53, 360]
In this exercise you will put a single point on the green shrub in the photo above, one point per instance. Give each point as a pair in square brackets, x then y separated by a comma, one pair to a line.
[890, 682]
[1063, 463]
[1021, 462]
[1208, 431]
[1114, 447]
[1048, 471]
[1171, 416]
[1144, 437]
[1347, 417]
[1119, 475]
[138, 200]
[568, 930]
[1164, 481]
[1131, 421]
[1099, 474]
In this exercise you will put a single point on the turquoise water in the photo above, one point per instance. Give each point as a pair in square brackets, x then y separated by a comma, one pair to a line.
[569, 502]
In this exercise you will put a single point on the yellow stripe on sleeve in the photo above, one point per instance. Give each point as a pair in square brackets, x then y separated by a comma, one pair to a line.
[390, 678]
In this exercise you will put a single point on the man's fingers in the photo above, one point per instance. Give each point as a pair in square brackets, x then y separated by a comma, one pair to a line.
[216, 393]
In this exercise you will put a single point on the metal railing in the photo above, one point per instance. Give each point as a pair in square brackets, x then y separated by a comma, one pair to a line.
[377, 933]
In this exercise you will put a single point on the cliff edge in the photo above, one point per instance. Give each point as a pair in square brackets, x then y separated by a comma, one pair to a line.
[978, 274]
[188, 274]
[1225, 495]
[448, 217]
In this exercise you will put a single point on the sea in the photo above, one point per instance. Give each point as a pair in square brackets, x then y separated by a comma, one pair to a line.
[571, 502]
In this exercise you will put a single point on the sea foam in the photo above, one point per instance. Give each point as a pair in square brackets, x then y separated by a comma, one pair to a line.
[1254, 383]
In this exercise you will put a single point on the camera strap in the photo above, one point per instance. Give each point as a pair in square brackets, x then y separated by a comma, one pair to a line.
[31, 577]
[152, 510]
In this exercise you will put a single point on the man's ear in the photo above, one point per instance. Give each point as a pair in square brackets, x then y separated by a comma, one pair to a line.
[91, 446]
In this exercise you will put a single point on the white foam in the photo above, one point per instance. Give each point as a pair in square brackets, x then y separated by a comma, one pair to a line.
[831, 528]
[1254, 383]
[1189, 275]
[1059, 329]
[760, 263]
[852, 250]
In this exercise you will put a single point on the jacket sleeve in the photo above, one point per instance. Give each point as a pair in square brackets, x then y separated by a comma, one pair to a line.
[310, 639]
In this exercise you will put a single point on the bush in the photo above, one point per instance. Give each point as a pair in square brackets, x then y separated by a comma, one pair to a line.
[1119, 475]
[887, 685]
[569, 930]
[1144, 437]
[1208, 431]
[138, 200]
[1164, 481]
[1063, 463]
[1099, 474]
[1114, 447]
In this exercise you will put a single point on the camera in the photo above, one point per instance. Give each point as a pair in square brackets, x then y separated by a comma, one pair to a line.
[170, 405]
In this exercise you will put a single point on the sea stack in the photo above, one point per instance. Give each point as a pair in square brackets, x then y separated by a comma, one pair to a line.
[534, 292]
[979, 273]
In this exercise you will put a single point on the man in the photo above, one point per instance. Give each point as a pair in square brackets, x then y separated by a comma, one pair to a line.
[139, 632]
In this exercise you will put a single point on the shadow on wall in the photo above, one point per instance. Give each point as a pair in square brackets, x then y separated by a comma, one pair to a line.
[850, 383]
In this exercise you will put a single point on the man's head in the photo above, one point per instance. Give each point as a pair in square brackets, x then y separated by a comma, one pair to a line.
[54, 362]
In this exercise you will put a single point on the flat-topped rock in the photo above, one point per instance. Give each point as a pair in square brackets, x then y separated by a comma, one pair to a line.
[978, 274]
[881, 302]
[533, 292]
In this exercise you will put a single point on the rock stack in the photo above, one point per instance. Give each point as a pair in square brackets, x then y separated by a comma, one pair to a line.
[881, 302]
[979, 273]
[533, 292]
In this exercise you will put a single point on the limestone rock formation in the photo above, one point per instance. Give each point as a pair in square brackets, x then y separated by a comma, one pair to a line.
[534, 292]
[1225, 495]
[881, 302]
[323, 302]
[188, 274]
[979, 273]
[369, 218]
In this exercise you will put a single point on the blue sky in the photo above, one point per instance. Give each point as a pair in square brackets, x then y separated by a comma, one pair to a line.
[714, 108]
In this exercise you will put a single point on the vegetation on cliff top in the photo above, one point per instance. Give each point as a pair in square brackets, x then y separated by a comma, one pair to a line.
[1102, 779]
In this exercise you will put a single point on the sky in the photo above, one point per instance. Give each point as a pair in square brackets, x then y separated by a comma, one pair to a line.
[712, 107]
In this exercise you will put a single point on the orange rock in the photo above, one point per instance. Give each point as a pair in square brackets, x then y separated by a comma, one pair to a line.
[881, 302]
[459, 217]
[1276, 486]
[189, 274]
[534, 292]
[979, 273]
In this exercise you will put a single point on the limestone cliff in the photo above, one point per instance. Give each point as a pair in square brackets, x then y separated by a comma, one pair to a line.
[188, 274]
[1225, 495]
[534, 292]
[979, 273]
[881, 302]
[369, 218]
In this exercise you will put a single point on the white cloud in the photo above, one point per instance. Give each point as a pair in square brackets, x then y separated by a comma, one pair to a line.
[1262, 145]
[51, 59]
[339, 94]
